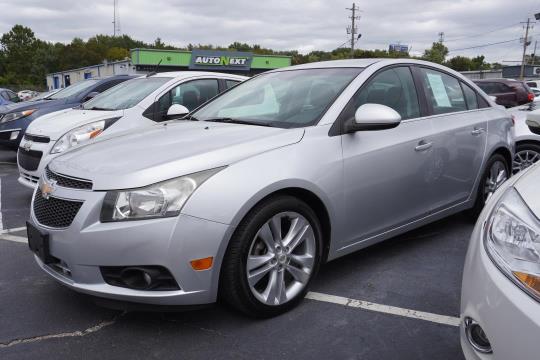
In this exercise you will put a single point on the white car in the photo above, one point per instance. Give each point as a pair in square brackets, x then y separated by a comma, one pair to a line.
[25, 95]
[500, 300]
[527, 144]
[138, 102]
[536, 92]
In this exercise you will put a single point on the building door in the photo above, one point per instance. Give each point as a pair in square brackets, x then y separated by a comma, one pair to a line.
[56, 82]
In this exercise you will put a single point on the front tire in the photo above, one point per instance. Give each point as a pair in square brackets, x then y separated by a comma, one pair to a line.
[272, 257]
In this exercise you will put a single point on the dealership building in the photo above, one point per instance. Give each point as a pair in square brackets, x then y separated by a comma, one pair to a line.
[143, 61]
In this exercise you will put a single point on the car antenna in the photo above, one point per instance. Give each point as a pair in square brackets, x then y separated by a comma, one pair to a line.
[154, 72]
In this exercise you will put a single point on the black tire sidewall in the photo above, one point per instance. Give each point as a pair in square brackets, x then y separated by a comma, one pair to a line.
[234, 286]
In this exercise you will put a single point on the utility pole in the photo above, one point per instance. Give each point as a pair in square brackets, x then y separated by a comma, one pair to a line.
[525, 44]
[116, 18]
[352, 29]
[441, 37]
[534, 53]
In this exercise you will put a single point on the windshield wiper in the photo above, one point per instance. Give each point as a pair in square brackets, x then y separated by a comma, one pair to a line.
[98, 108]
[229, 120]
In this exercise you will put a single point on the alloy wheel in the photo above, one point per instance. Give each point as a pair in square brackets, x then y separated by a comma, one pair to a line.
[496, 177]
[281, 258]
[523, 159]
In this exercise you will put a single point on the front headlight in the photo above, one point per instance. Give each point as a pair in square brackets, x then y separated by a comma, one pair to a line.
[16, 115]
[81, 135]
[513, 241]
[163, 199]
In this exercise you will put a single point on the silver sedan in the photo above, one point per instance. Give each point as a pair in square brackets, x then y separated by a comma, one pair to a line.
[253, 191]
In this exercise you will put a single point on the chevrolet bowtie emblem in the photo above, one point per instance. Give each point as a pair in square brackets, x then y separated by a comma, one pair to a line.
[47, 188]
[27, 145]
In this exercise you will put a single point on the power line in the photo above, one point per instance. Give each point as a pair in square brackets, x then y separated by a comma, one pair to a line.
[484, 45]
[481, 34]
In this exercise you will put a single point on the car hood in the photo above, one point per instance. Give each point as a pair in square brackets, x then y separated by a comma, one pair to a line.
[168, 150]
[527, 186]
[26, 105]
[57, 123]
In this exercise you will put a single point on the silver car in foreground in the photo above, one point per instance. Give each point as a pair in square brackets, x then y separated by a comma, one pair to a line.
[246, 197]
[500, 308]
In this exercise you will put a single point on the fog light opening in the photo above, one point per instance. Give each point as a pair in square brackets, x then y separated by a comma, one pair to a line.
[137, 278]
[477, 337]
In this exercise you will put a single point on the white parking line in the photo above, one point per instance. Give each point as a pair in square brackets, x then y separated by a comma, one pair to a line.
[19, 239]
[386, 309]
[7, 231]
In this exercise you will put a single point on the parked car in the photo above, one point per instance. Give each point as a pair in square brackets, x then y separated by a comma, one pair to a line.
[45, 94]
[536, 92]
[7, 97]
[15, 118]
[251, 192]
[26, 95]
[134, 103]
[533, 83]
[527, 143]
[501, 279]
[509, 93]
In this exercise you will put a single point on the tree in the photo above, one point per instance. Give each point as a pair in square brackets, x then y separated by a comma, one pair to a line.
[437, 53]
[18, 46]
[460, 63]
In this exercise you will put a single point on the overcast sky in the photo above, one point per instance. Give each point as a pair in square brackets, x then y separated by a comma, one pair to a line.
[302, 25]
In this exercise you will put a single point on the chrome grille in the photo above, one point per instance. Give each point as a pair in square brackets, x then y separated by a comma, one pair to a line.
[68, 182]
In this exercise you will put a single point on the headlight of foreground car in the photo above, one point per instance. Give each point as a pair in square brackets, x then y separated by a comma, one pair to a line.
[17, 115]
[513, 241]
[81, 135]
[164, 199]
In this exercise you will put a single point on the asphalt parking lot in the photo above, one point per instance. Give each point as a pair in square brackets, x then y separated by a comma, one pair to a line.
[408, 291]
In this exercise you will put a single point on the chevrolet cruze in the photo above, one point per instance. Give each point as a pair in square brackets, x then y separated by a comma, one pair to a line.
[248, 195]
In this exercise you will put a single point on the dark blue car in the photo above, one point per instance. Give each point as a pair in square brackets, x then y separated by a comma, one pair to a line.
[7, 97]
[15, 118]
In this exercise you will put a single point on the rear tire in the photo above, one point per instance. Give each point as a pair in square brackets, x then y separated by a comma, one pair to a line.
[267, 270]
[495, 174]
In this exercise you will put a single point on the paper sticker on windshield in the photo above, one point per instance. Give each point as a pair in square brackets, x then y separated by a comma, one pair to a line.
[439, 91]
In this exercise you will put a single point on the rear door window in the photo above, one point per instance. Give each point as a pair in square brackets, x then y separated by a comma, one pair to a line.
[443, 92]
[231, 83]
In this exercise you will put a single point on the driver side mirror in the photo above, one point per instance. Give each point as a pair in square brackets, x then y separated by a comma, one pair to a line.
[91, 95]
[373, 117]
[176, 111]
[533, 122]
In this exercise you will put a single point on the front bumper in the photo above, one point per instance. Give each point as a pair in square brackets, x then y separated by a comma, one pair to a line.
[11, 133]
[30, 177]
[510, 318]
[172, 243]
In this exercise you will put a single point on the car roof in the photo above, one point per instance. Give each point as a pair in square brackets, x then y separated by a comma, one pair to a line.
[188, 74]
[363, 63]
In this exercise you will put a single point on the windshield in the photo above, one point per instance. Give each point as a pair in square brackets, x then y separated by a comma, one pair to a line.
[73, 89]
[293, 98]
[126, 94]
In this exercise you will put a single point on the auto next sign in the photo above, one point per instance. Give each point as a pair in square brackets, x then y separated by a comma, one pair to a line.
[222, 60]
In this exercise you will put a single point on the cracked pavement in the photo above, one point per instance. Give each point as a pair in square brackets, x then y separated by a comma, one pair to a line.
[420, 270]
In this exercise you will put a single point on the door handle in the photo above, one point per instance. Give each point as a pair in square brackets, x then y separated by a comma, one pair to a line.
[423, 146]
[477, 131]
